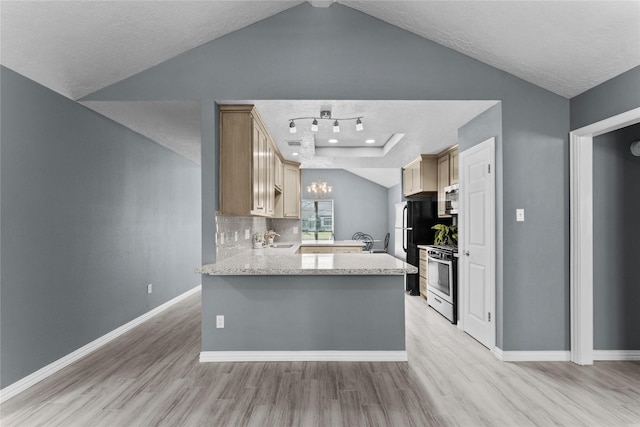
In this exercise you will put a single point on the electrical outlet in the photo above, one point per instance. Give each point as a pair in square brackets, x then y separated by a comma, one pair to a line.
[235, 236]
[295, 230]
[219, 321]
[520, 215]
[247, 234]
[149, 288]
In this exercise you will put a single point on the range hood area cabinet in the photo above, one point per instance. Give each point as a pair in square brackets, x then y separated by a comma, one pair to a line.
[447, 175]
[420, 177]
[245, 141]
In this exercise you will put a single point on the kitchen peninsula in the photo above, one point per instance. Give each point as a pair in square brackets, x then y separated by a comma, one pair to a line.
[279, 304]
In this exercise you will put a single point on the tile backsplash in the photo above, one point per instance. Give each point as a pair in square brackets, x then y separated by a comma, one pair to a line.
[286, 228]
[231, 232]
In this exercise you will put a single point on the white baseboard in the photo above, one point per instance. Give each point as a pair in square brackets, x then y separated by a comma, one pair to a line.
[532, 356]
[616, 355]
[303, 356]
[41, 374]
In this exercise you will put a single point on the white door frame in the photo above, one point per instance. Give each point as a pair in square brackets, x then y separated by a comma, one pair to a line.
[492, 238]
[581, 231]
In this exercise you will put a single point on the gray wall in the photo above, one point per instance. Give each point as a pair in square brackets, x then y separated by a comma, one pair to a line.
[359, 204]
[489, 125]
[91, 213]
[304, 313]
[608, 99]
[341, 53]
[616, 235]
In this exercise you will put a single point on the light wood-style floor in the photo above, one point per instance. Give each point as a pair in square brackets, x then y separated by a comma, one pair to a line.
[151, 376]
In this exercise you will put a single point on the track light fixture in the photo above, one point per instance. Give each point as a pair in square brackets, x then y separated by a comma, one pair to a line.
[326, 115]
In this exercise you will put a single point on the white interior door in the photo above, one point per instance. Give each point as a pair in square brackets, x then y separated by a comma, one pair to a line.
[477, 232]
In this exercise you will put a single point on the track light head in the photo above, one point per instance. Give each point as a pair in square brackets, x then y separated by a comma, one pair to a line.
[325, 114]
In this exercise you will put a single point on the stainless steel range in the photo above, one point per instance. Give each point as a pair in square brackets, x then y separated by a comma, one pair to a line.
[442, 279]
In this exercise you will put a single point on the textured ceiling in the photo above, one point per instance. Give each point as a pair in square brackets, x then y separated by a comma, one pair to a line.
[566, 47]
[77, 47]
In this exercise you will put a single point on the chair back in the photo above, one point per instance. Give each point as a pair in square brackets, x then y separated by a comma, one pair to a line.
[386, 242]
[368, 241]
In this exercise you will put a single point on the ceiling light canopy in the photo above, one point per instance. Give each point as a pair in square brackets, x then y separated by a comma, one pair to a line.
[326, 115]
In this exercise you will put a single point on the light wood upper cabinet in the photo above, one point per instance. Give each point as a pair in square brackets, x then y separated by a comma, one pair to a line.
[453, 166]
[270, 161]
[259, 171]
[250, 165]
[278, 173]
[288, 202]
[420, 177]
[447, 175]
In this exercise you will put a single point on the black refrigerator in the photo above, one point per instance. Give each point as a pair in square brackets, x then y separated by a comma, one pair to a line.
[413, 222]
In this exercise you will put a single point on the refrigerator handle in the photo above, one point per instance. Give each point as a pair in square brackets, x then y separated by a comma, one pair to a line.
[405, 230]
[404, 217]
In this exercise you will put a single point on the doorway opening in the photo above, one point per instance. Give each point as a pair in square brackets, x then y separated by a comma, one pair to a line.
[581, 231]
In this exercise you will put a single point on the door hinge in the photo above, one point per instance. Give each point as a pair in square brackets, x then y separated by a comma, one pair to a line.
[489, 316]
[489, 168]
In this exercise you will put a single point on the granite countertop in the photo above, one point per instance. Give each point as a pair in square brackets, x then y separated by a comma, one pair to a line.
[285, 261]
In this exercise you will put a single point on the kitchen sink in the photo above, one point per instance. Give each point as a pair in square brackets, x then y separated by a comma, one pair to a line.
[281, 245]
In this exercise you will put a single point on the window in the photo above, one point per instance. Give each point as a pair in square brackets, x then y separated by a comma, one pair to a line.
[317, 219]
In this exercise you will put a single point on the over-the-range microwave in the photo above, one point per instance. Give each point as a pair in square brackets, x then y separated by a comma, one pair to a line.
[451, 199]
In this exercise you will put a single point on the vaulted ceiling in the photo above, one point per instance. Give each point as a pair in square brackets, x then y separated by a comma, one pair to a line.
[78, 47]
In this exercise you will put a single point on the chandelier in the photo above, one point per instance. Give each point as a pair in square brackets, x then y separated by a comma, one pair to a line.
[326, 115]
[319, 188]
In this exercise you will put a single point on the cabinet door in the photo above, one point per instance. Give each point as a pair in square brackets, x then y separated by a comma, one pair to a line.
[416, 177]
[453, 167]
[260, 171]
[443, 181]
[270, 178]
[257, 170]
[423, 272]
[278, 173]
[291, 191]
[407, 181]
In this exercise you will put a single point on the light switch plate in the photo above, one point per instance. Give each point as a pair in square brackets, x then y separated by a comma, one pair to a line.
[247, 234]
[520, 215]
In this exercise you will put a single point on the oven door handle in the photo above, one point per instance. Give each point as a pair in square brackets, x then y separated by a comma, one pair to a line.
[440, 261]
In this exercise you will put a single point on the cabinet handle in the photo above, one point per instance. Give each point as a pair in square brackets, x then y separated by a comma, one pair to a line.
[466, 253]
